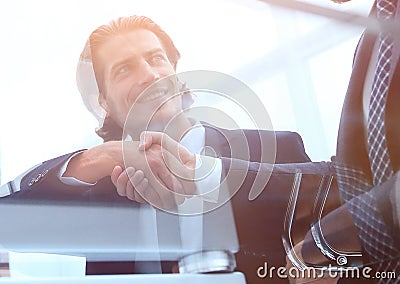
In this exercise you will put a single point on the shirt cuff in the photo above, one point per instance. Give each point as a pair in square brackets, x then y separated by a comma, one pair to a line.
[71, 180]
[208, 177]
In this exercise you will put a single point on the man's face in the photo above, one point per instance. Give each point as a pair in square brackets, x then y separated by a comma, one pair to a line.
[131, 62]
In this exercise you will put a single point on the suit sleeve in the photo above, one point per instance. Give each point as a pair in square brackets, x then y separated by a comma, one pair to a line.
[42, 183]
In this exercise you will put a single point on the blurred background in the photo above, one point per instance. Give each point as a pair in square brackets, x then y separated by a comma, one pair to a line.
[297, 63]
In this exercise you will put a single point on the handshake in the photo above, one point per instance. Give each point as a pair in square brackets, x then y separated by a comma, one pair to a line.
[155, 170]
[158, 170]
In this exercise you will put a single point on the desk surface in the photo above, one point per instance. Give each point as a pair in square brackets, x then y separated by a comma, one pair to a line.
[111, 233]
[227, 278]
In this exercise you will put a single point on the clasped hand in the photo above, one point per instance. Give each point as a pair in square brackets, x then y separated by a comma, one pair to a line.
[158, 171]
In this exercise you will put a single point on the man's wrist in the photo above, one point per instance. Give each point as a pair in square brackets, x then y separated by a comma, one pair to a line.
[72, 181]
[90, 165]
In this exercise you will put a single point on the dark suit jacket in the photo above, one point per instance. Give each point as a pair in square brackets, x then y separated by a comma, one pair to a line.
[259, 222]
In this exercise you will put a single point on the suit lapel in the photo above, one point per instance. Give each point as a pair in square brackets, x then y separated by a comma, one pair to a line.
[351, 147]
[392, 120]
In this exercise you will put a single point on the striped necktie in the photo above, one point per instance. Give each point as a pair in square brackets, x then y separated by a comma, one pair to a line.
[378, 151]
